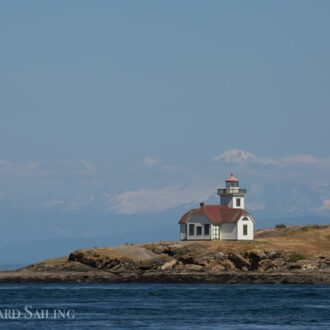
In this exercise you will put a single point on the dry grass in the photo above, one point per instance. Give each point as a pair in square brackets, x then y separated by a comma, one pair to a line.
[311, 240]
[132, 252]
[305, 241]
[308, 240]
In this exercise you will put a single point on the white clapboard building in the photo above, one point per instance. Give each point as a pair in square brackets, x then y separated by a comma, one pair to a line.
[227, 221]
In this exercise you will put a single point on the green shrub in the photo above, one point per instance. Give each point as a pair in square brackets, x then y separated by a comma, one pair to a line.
[318, 227]
[307, 228]
[295, 257]
[281, 225]
[181, 252]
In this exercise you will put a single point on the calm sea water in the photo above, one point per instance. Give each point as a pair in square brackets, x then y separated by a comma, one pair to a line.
[164, 306]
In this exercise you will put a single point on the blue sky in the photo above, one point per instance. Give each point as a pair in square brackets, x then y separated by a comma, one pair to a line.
[181, 80]
[132, 107]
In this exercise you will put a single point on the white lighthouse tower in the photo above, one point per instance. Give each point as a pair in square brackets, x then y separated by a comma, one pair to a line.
[232, 195]
[225, 221]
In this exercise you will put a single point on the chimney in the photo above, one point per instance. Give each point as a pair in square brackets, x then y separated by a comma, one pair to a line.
[202, 204]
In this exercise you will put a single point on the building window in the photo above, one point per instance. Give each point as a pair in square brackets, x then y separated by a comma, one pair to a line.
[216, 232]
[230, 184]
[245, 230]
[191, 230]
[238, 202]
[206, 229]
[199, 230]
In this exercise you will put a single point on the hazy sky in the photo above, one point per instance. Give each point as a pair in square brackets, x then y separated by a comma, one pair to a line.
[113, 97]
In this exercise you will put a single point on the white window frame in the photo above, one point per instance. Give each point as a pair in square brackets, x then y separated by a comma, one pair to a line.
[216, 232]
[194, 230]
[247, 228]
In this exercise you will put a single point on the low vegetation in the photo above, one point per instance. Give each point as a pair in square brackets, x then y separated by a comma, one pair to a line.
[311, 227]
[289, 255]
[295, 257]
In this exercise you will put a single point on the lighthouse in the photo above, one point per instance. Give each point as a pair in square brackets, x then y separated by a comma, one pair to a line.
[232, 195]
[227, 221]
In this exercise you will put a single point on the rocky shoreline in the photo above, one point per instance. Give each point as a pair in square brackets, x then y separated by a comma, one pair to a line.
[292, 255]
[169, 277]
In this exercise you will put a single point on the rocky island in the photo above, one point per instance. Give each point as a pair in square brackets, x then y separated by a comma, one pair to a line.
[295, 254]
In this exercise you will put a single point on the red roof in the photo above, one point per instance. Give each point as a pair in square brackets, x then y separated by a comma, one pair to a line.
[232, 178]
[216, 213]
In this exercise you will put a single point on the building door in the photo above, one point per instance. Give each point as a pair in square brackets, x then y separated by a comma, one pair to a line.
[216, 232]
